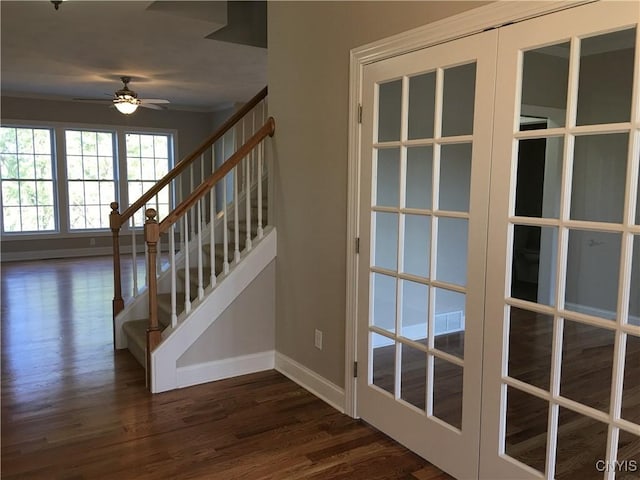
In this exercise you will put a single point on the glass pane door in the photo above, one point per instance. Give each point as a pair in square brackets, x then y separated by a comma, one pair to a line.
[562, 359]
[424, 208]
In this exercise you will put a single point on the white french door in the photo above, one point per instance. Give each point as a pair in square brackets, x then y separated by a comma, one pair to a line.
[424, 205]
[561, 382]
[498, 330]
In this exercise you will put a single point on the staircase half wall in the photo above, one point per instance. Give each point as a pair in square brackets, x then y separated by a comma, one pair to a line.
[231, 332]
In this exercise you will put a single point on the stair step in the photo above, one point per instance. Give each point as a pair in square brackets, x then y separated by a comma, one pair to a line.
[242, 229]
[193, 276]
[164, 306]
[219, 253]
[136, 333]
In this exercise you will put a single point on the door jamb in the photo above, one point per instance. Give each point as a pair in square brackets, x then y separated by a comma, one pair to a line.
[493, 15]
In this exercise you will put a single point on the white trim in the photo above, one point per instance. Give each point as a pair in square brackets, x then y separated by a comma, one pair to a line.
[311, 381]
[225, 368]
[59, 253]
[599, 312]
[419, 331]
[10, 122]
[353, 232]
[463, 24]
[66, 253]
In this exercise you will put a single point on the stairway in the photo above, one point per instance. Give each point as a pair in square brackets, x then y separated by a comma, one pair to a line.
[135, 330]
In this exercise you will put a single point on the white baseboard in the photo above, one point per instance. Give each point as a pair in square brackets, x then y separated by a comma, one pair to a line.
[59, 253]
[225, 368]
[67, 253]
[311, 381]
[599, 312]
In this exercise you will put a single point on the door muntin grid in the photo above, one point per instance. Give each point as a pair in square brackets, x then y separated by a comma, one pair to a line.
[421, 179]
[573, 259]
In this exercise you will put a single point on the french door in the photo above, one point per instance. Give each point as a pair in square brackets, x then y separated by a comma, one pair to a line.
[424, 216]
[499, 272]
[561, 383]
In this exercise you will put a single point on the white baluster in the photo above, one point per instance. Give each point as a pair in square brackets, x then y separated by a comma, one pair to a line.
[187, 271]
[236, 222]
[192, 211]
[212, 236]
[159, 245]
[260, 230]
[247, 194]
[265, 167]
[253, 131]
[225, 228]
[134, 258]
[212, 222]
[241, 164]
[200, 272]
[179, 201]
[201, 201]
[172, 260]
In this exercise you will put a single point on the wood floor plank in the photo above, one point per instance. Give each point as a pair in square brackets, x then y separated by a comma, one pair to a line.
[72, 408]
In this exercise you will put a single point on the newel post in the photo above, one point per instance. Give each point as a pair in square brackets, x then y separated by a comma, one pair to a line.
[114, 223]
[154, 335]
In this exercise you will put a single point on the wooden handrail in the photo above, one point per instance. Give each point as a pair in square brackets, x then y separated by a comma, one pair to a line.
[267, 129]
[185, 162]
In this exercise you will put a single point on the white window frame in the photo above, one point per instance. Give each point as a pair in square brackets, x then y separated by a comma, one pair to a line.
[62, 199]
[53, 180]
[87, 182]
[124, 187]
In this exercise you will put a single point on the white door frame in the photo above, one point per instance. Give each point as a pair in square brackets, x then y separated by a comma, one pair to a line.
[467, 23]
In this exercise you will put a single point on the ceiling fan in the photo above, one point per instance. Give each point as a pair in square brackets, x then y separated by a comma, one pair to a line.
[126, 100]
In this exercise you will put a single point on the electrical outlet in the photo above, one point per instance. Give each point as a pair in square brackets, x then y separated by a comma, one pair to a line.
[92, 242]
[318, 339]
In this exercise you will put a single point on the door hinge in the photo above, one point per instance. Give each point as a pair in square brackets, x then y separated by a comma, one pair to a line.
[359, 113]
[355, 369]
[358, 245]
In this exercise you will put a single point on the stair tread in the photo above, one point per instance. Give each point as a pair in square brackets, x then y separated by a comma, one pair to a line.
[137, 330]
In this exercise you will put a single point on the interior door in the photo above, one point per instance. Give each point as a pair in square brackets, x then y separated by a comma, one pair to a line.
[426, 149]
[562, 343]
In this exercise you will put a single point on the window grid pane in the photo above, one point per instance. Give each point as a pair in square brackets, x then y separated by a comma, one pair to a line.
[27, 183]
[147, 162]
[407, 183]
[582, 252]
[90, 174]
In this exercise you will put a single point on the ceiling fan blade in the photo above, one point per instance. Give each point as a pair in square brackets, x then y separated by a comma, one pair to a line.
[152, 106]
[94, 100]
[153, 100]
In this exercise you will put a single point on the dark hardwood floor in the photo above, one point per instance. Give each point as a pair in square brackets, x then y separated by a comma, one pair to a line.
[72, 408]
[586, 377]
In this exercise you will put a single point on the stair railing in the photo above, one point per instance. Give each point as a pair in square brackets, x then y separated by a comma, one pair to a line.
[181, 178]
[249, 156]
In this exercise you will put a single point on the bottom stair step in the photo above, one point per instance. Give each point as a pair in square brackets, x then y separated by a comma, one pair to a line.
[136, 333]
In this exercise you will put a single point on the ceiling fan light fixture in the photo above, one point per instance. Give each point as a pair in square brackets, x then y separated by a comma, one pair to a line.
[126, 104]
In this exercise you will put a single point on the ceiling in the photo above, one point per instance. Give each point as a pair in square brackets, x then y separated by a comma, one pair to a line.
[202, 56]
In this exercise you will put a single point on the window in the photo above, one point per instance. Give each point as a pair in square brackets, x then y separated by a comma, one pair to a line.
[90, 178]
[60, 179]
[147, 162]
[27, 180]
